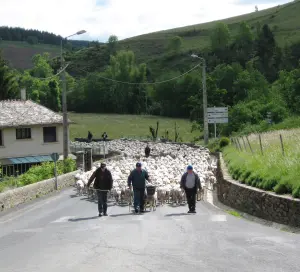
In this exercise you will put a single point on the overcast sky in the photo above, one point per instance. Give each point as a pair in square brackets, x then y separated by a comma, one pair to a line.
[124, 18]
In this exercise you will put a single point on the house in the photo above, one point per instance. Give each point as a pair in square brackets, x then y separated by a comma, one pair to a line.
[29, 133]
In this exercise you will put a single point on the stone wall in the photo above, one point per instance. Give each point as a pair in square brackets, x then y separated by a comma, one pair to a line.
[14, 197]
[266, 205]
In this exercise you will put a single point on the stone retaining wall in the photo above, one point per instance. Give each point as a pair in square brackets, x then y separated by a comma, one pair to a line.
[14, 197]
[266, 205]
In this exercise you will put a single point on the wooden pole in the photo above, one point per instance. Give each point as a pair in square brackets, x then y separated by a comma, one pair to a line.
[234, 141]
[244, 143]
[282, 147]
[238, 140]
[249, 144]
[261, 148]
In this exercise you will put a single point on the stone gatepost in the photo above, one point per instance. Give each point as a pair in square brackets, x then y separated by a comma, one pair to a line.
[80, 160]
[88, 158]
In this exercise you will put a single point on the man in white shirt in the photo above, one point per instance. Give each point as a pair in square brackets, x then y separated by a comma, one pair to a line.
[190, 182]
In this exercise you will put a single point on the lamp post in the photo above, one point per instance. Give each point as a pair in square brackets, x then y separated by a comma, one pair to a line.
[205, 121]
[64, 98]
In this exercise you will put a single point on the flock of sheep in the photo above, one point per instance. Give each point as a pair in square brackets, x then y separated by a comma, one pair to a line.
[165, 166]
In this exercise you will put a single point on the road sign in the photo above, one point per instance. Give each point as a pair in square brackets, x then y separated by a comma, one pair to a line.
[55, 157]
[217, 120]
[218, 115]
[217, 109]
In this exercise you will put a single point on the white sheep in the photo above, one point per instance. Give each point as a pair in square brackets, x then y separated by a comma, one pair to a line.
[79, 186]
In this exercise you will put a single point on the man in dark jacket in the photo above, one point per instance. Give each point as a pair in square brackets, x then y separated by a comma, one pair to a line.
[190, 182]
[147, 151]
[103, 183]
[137, 179]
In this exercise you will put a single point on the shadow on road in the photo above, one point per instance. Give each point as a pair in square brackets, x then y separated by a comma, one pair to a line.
[177, 214]
[82, 219]
[121, 214]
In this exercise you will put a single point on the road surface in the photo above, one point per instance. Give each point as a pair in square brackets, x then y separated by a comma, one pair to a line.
[64, 233]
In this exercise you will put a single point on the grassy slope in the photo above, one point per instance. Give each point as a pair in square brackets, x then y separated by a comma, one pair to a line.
[19, 54]
[272, 170]
[117, 126]
[152, 48]
[284, 20]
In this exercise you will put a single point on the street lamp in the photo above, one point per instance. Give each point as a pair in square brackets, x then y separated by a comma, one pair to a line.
[205, 121]
[64, 98]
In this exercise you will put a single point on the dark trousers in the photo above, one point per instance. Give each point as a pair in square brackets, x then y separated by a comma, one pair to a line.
[191, 198]
[102, 201]
[138, 198]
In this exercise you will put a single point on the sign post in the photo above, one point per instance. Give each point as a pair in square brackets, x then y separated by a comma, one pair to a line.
[217, 115]
[55, 158]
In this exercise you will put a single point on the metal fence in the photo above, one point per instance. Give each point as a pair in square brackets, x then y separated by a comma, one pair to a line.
[96, 150]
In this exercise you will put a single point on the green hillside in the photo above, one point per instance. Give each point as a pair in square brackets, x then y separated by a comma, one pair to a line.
[19, 54]
[152, 48]
[283, 20]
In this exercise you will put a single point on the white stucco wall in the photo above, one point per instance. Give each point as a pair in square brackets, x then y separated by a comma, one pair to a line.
[27, 147]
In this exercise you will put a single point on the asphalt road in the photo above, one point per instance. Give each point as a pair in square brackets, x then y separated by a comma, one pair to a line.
[64, 233]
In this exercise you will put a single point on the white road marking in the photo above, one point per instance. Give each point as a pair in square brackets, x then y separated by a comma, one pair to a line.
[29, 230]
[218, 218]
[64, 219]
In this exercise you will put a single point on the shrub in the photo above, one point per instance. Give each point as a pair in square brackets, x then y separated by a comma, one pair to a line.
[39, 173]
[224, 142]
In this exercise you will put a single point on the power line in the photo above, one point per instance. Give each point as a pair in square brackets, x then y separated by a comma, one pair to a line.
[45, 78]
[145, 83]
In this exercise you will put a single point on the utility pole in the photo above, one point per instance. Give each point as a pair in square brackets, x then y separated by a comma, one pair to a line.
[205, 121]
[64, 98]
[64, 106]
[204, 102]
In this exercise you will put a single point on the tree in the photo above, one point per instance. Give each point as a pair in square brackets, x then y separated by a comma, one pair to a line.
[220, 37]
[175, 44]
[32, 40]
[8, 82]
[112, 44]
[265, 50]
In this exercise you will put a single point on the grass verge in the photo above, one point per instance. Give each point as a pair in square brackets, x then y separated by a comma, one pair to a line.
[234, 213]
[272, 170]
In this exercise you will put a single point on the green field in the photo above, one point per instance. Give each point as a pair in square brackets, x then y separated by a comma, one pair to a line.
[152, 48]
[274, 169]
[117, 126]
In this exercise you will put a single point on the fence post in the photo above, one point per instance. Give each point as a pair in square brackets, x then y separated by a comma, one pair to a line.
[249, 144]
[238, 140]
[236, 146]
[261, 148]
[282, 147]
[244, 143]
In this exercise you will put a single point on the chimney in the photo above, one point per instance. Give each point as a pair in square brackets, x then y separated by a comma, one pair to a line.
[23, 94]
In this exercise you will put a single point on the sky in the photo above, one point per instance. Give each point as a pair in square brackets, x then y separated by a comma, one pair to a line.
[124, 18]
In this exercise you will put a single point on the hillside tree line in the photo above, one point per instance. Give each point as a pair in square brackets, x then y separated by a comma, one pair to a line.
[247, 72]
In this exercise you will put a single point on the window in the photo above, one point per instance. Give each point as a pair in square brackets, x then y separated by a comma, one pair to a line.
[49, 134]
[23, 133]
[1, 140]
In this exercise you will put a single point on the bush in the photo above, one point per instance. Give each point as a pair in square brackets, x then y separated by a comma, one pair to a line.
[224, 142]
[213, 145]
[39, 173]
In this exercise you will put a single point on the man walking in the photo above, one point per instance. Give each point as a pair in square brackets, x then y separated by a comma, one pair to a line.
[103, 183]
[147, 151]
[137, 179]
[190, 182]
